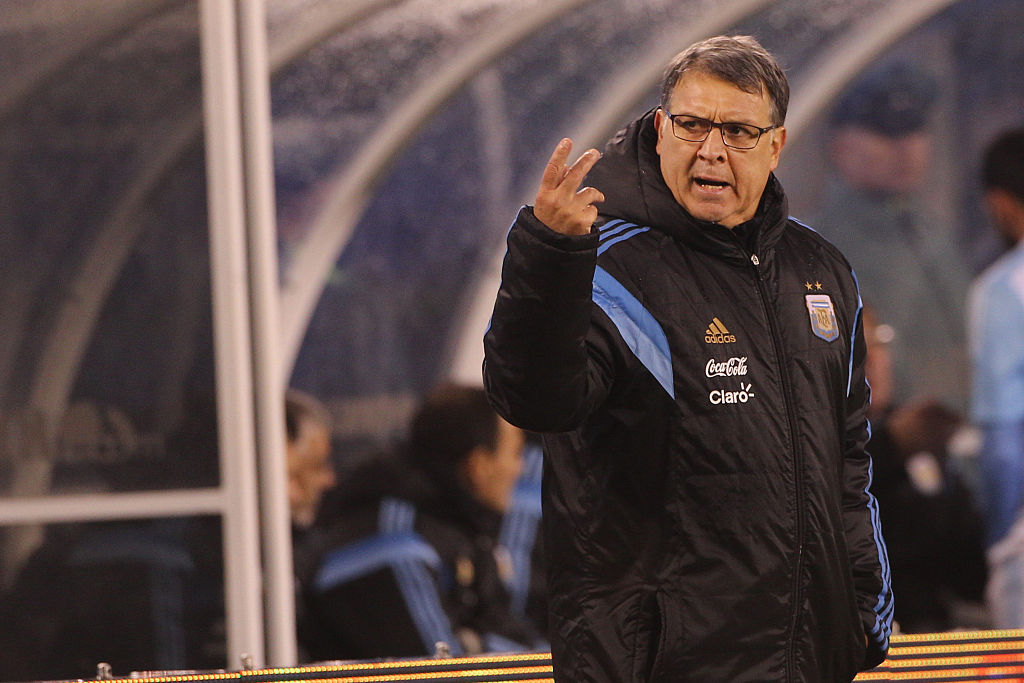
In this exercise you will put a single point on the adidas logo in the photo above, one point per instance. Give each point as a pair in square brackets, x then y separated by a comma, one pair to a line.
[717, 333]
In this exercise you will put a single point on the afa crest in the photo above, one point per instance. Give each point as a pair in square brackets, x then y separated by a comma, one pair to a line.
[823, 316]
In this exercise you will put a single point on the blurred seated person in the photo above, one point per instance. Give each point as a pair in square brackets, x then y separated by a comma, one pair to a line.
[933, 530]
[408, 556]
[119, 592]
[308, 455]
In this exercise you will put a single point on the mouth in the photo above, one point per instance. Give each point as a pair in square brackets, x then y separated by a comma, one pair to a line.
[710, 186]
[710, 183]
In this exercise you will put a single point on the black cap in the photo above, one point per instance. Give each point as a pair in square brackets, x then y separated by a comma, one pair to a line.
[894, 100]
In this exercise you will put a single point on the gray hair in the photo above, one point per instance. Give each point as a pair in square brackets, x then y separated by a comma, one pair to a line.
[739, 60]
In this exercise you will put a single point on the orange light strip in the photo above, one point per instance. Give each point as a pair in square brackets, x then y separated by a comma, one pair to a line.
[435, 674]
[402, 664]
[957, 648]
[944, 656]
[985, 673]
[182, 678]
[1004, 634]
[1011, 657]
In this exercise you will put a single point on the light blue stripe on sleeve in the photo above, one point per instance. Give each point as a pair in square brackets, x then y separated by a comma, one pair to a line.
[624, 236]
[614, 228]
[859, 317]
[641, 332]
[883, 607]
[412, 571]
[420, 593]
[363, 557]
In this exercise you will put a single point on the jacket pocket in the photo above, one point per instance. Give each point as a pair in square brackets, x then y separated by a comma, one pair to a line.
[652, 638]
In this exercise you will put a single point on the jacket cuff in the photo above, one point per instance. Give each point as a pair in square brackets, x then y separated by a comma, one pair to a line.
[556, 240]
[874, 655]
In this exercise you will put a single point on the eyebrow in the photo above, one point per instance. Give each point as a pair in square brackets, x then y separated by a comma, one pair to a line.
[705, 118]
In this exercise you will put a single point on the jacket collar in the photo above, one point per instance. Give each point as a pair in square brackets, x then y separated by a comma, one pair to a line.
[629, 175]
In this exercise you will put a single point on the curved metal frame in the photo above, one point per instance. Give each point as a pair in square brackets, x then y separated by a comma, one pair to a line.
[18, 86]
[115, 240]
[846, 58]
[319, 24]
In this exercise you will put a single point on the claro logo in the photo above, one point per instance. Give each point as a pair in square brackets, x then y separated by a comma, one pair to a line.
[718, 334]
[720, 396]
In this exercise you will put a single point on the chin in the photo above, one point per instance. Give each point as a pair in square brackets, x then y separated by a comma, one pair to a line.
[709, 216]
[712, 213]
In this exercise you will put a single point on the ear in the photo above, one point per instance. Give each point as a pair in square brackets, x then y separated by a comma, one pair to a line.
[1007, 213]
[659, 121]
[778, 141]
[999, 203]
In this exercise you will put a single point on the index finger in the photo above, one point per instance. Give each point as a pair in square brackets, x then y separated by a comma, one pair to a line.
[574, 176]
[554, 171]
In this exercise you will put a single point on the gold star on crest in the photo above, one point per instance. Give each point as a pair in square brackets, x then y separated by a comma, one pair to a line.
[809, 286]
[817, 286]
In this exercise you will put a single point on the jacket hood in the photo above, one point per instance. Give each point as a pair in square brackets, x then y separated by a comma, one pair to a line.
[629, 175]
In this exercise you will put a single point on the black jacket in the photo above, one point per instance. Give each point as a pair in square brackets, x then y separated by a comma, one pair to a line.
[706, 505]
[399, 564]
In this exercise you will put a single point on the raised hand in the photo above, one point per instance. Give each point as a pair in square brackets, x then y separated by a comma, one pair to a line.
[561, 204]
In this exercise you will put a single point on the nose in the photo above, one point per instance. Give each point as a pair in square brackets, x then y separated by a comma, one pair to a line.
[713, 147]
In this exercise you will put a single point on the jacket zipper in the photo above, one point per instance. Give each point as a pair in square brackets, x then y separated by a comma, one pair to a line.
[776, 336]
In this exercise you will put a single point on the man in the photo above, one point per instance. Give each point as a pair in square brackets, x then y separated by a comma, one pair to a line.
[697, 364]
[408, 556]
[876, 210]
[996, 329]
[308, 454]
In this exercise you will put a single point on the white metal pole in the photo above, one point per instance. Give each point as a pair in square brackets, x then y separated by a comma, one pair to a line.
[88, 507]
[267, 369]
[231, 327]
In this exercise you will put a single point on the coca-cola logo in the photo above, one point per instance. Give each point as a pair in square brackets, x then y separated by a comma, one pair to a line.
[734, 367]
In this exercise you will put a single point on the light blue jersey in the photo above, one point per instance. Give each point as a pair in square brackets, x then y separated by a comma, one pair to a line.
[996, 333]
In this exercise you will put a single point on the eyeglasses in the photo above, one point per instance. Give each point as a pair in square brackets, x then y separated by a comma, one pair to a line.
[735, 135]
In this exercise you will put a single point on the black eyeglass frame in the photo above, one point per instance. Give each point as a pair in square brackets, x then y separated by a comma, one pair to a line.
[760, 131]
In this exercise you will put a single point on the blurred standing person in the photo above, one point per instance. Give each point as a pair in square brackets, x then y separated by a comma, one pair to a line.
[875, 210]
[996, 329]
[696, 361]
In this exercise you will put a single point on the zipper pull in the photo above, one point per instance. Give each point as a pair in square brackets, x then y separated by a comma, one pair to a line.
[753, 259]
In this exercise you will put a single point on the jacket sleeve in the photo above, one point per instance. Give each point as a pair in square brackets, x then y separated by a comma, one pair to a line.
[868, 556]
[545, 366]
